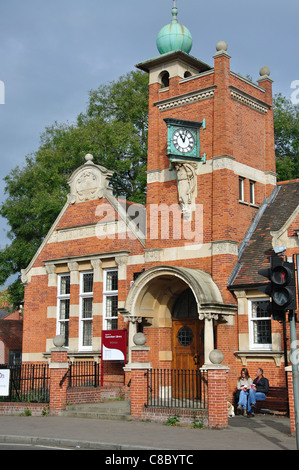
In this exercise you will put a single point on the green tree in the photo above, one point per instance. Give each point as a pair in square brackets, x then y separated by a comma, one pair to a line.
[286, 129]
[113, 129]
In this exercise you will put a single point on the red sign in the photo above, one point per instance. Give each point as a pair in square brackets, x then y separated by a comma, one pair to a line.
[114, 345]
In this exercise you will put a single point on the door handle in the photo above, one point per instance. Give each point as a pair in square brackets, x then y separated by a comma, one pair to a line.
[196, 359]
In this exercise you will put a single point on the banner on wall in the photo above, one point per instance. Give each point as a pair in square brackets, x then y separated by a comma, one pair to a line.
[4, 382]
[114, 345]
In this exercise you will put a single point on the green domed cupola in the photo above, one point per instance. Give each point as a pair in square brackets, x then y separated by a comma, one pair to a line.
[174, 36]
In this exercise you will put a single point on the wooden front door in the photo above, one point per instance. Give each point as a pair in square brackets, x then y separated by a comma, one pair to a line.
[188, 356]
[187, 346]
[188, 351]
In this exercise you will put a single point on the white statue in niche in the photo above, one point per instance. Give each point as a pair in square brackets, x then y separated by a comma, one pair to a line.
[186, 178]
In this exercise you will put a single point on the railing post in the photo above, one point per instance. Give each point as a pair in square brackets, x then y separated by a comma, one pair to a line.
[138, 367]
[217, 390]
[58, 368]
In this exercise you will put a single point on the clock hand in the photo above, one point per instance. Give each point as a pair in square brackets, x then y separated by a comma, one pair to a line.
[182, 137]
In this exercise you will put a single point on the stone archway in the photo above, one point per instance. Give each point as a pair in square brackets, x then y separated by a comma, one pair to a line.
[154, 293]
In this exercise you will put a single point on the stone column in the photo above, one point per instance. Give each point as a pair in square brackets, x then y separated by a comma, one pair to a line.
[208, 334]
[58, 367]
[132, 320]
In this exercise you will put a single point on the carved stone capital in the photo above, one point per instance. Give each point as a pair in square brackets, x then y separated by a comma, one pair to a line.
[121, 260]
[73, 266]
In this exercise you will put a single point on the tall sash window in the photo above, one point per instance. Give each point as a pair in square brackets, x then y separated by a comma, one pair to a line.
[86, 318]
[63, 306]
[110, 299]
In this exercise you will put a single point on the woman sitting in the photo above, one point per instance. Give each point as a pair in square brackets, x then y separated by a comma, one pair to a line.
[243, 385]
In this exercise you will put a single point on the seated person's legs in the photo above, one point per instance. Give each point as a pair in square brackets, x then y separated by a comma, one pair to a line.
[251, 399]
[242, 400]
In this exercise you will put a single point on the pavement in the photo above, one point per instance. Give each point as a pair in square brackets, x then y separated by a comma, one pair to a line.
[262, 432]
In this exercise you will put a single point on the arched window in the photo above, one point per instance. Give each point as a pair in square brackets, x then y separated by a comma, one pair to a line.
[164, 79]
[185, 306]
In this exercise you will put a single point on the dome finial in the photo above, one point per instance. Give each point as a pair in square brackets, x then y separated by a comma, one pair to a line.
[174, 12]
[174, 36]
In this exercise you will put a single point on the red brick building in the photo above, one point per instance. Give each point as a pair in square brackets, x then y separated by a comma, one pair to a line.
[188, 276]
[11, 330]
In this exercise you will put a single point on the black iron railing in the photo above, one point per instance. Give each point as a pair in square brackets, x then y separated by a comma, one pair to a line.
[83, 374]
[177, 388]
[28, 383]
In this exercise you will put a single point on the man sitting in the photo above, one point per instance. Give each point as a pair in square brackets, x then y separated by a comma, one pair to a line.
[258, 391]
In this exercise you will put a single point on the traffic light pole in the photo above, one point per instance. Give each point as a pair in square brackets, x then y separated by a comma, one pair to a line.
[294, 357]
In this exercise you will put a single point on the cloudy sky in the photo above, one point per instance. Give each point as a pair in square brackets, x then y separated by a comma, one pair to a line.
[53, 52]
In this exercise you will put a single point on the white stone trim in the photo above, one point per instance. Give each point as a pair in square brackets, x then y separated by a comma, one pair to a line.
[52, 312]
[224, 247]
[280, 237]
[248, 100]
[221, 162]
[188, 98]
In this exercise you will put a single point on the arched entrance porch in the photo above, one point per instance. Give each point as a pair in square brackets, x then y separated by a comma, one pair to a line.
[151, 302]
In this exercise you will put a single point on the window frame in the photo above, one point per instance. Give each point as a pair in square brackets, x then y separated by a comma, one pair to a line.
[106, 294]
[253, 345]
[252, 192]
[82, 319]
[62, 297]
[241, 189]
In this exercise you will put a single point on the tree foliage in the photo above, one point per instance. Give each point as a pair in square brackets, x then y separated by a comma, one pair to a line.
[286, 129]
[113, 129]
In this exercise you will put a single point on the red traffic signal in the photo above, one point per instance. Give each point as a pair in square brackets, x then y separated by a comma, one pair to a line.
[282, 286]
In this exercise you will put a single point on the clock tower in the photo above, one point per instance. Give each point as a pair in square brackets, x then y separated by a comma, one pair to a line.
[210, 150]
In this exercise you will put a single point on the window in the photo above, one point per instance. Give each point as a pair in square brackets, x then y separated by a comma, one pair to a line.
[164, 79]
[241, 188]
[252, 195]
[86, 301]
[110, 299]
[259, 325]
[185, 306]
[63, 306]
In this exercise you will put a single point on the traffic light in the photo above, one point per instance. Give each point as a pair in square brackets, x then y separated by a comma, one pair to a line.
[281, 288]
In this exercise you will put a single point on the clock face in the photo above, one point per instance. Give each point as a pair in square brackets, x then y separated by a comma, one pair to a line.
[183, 140]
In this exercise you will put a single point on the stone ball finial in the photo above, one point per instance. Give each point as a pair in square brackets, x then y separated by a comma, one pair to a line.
[88, 157]
[59, 341]
[216, 356]
[139, 339]
[221, 46]
[265, 71]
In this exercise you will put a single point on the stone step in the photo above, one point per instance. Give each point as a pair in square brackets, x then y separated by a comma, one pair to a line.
[111, 410]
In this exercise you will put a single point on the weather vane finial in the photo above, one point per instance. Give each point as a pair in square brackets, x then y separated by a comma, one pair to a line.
[174, 12]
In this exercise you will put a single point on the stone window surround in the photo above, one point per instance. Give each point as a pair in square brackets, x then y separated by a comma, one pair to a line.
[84, 263]
[244, 353]
[74, 266]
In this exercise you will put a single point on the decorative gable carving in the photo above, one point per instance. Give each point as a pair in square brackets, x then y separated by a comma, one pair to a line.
[89, 182]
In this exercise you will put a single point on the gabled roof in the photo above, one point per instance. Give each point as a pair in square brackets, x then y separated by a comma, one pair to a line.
[89, 187]
[275, 215]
